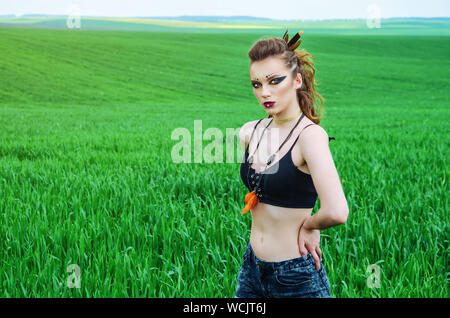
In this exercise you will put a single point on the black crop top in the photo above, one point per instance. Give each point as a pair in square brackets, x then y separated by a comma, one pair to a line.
[282, 184]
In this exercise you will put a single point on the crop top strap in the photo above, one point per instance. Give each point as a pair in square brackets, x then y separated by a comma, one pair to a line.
[299, 136]
[254, 128]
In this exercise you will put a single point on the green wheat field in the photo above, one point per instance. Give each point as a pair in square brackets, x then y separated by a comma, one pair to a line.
[87, 177]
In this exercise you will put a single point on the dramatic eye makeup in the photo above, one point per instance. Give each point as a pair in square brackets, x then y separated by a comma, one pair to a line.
[276, 81]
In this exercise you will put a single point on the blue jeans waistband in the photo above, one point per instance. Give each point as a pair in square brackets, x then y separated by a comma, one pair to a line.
[301, 261]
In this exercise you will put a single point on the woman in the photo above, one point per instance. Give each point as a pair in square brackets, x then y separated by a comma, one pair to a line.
[285, 174]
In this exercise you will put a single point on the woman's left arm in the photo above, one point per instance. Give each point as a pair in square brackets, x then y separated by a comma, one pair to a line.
[333, 205]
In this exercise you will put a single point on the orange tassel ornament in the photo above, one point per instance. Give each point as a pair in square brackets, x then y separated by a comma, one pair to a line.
[251, 200]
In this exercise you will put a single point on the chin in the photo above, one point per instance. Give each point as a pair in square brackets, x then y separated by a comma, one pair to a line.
[270, 110]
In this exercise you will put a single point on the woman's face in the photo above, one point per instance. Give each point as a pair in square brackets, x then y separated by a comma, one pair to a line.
[272, 81]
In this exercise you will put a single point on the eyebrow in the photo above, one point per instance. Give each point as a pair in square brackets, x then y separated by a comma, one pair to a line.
[267, 77]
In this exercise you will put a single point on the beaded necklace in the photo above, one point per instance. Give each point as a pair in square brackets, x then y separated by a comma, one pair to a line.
[251, 198]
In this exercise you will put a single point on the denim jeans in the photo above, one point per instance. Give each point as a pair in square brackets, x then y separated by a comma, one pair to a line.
[296, 277]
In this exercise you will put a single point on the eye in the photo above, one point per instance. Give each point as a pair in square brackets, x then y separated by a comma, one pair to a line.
[275, 81]
[278, 79]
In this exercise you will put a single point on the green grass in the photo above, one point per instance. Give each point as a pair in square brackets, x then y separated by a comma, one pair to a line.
[86, 175]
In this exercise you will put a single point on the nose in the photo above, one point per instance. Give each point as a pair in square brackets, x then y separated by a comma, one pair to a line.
[265, 91]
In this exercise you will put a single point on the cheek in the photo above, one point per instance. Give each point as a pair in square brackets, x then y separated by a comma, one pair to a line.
[284, 88]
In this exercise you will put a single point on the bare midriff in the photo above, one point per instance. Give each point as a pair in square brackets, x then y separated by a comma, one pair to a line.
[274, 233]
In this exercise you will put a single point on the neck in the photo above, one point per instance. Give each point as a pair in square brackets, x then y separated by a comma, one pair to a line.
[283, 120]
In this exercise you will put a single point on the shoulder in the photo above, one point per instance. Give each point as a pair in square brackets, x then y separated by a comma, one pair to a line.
[313, 140]
[246, 131]
[313, 131]
[247, 128]
[249, 124]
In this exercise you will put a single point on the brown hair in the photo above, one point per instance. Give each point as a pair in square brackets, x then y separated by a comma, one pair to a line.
[306, 94]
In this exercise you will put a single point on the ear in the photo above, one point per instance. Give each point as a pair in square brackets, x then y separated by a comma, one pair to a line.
[298, 81]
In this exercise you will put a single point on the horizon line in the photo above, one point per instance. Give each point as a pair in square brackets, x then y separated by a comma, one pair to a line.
[13, 15]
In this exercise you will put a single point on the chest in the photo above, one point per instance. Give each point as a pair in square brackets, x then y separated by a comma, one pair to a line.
[289, 152]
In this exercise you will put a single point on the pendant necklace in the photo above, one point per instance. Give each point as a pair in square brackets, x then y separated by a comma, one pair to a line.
[251, 198]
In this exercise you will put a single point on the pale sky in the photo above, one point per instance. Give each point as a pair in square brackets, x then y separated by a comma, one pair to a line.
[274, 9]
